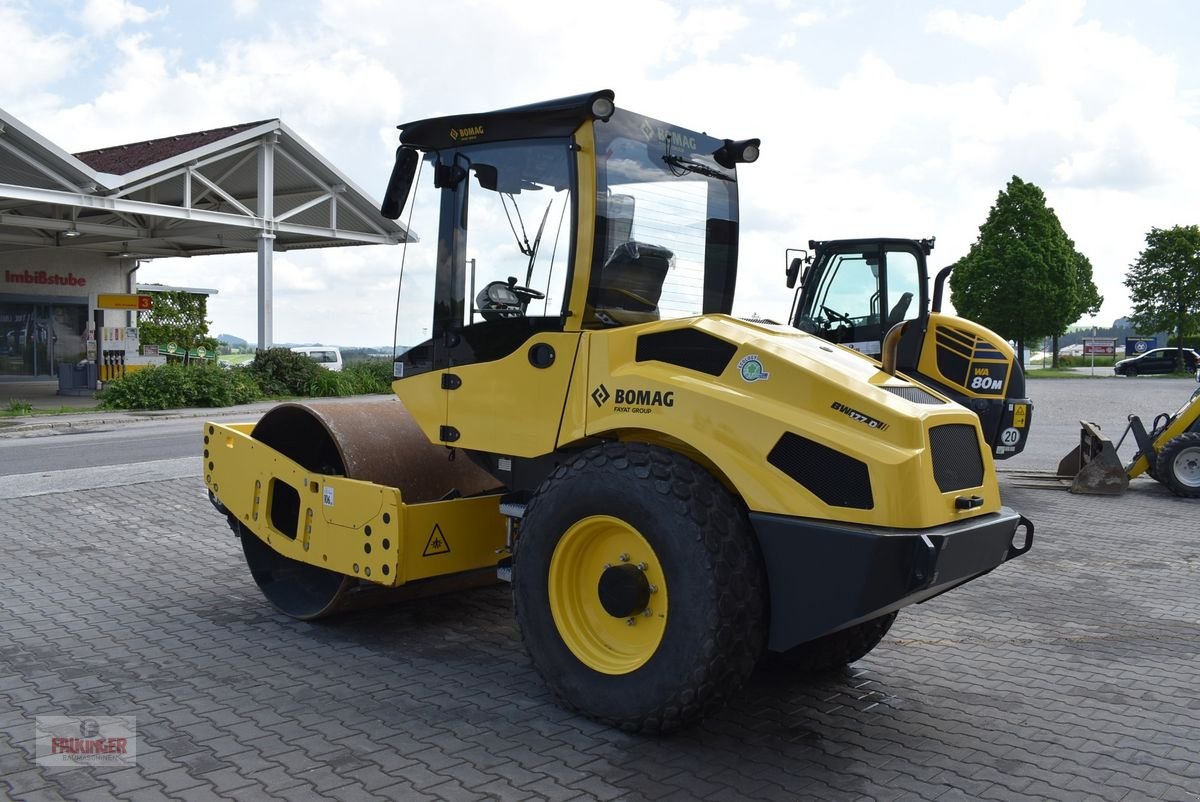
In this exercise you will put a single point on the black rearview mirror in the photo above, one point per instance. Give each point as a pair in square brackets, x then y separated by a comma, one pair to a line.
[487, 175]
[400, 183]
[793, 271]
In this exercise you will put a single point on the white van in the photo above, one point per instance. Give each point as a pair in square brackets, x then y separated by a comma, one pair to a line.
[327, 356]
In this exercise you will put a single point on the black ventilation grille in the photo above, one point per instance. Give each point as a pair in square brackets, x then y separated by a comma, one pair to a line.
[835, 478]
[915, 394]
[687, 348]
[956, 461]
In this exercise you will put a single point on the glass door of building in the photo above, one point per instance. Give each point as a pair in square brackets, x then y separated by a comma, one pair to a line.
[26, 339]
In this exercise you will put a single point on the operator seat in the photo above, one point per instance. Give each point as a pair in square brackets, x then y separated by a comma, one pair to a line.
[897, 313]
[631, 282]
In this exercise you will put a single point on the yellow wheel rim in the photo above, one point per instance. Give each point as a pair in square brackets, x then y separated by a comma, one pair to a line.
[608, 595]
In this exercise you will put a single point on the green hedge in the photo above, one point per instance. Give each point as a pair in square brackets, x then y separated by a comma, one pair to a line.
[177, 385]
[274, 373]
[1073, 361]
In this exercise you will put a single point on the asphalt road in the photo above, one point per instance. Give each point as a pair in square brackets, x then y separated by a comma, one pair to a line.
[104, 444]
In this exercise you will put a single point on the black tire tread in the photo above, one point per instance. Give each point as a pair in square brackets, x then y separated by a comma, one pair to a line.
[839, 649]
[738, 640]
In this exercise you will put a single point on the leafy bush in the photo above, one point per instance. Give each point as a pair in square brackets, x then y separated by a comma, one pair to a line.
[273, 373]
[1077, 361]
[18, 407]
[327, 383]
[177, 385]
[369, 376]
[280, 371]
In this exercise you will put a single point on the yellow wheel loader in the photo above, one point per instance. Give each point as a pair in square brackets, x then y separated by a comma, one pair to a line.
[670, 490]
[857, 291]
[1169, 453]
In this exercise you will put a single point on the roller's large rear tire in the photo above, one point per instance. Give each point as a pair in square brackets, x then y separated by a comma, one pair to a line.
[639, 588]
[838, 649]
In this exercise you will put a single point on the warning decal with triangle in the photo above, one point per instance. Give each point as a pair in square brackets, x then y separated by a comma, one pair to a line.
[437, 543]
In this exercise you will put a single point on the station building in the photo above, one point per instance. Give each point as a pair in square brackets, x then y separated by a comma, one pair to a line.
[75, 227]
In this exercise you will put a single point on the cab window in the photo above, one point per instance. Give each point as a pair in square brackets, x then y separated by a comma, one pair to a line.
[903, 288]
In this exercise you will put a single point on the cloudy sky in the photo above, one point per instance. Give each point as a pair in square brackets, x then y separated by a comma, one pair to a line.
[878, 117]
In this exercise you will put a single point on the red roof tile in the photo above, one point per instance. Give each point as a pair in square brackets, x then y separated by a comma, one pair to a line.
[122, 159]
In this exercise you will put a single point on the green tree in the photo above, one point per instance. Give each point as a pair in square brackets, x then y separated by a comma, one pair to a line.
[1164, 284]
[177, 317]
[1088, 298]
[1020, 278]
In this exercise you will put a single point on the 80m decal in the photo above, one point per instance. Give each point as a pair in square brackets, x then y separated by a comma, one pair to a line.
[861, 417]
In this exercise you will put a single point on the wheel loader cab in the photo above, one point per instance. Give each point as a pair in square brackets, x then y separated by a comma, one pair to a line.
[857, 290]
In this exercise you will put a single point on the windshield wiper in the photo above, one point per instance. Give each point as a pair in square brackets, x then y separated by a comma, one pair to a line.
[687, 166]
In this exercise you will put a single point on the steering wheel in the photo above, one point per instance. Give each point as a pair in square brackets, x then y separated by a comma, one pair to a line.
[527, 293]
[501, 300]
[836, 316]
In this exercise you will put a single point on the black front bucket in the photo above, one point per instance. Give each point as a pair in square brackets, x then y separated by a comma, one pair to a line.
[1093, 466]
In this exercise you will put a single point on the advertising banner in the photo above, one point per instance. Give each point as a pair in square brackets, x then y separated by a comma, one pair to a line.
[1139, 345]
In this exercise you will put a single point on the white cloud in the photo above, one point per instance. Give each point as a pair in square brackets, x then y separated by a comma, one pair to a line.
[808, 18]
[706, 30]
[30, 60]
[104, 16]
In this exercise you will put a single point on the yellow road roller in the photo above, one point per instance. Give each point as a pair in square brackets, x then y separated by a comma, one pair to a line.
[671, 491]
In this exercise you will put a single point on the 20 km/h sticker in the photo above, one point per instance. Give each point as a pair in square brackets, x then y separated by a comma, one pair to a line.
[1010, 436]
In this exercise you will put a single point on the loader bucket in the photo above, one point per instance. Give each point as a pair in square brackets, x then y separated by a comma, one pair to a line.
[1093, 466]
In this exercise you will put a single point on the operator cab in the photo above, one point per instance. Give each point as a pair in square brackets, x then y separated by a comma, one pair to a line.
[558, 217]
[855, 291]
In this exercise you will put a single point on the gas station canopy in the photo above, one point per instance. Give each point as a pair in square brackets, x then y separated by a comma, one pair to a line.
[254, 187]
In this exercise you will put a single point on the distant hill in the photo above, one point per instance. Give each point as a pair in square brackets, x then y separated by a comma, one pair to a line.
[231, 341]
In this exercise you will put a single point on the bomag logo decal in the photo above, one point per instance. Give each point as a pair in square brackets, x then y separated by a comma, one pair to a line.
[676, 139]
[633, 400]
[466, 134]
[861, 417]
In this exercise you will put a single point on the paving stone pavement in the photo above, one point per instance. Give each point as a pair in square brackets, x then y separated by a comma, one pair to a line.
[1071, 673]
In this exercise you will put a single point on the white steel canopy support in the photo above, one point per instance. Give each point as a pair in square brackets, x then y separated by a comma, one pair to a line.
[266, 252]
[266, 240]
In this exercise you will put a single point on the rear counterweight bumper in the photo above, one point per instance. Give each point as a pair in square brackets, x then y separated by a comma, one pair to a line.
[828, 576]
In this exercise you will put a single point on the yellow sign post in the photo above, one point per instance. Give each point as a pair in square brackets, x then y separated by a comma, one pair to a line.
[116, 301]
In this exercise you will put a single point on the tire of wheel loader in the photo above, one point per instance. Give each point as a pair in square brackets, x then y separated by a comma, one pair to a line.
[639, 588]
[1178, 465]
[838, 649]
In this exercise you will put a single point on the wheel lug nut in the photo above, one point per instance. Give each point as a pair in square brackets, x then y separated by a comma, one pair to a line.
[642, 566]
[624, 558]
[647, 612]
[630, 620]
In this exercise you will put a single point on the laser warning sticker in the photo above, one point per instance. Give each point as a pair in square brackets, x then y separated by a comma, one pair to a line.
[436, 544]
